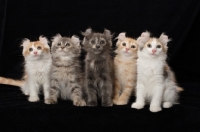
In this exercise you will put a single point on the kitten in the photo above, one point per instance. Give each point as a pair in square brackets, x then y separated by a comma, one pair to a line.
[37, 68]
[98, 67]
[125, 69]
[155, 81]
[66, 77]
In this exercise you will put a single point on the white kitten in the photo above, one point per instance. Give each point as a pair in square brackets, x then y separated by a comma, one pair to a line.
[155, 81]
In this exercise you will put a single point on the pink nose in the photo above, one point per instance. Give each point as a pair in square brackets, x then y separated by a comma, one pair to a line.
[127, 49]
[153, 50]
[35, 53]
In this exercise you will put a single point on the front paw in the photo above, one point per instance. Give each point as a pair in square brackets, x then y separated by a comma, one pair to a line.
[115, 101]
[92, 103]
[79, 103]
[33, 99]
[121, 102]
[107, 104]
[50, 101]
[155, 108]
[137, 105]
[167, 104]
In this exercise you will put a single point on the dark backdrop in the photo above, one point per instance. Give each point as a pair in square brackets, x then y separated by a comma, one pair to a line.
[179, 19]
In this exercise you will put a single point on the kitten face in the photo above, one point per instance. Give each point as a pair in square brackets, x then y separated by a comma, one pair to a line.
[154, 47]
[35, 50]
[126, 46]
[64, 46]
[97, 42]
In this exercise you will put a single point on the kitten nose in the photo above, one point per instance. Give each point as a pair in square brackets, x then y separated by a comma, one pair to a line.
[153, 50]
[35, 52]
[127, 49]
[97, 46]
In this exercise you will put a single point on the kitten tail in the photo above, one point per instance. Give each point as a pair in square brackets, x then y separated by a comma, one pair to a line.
[12, 82]
[179, 89]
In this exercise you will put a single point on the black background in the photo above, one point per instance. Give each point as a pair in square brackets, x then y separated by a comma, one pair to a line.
[179, 19]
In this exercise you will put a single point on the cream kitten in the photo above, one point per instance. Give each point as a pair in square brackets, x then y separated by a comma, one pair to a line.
[37, 69]
[125, 69]
[155, 81]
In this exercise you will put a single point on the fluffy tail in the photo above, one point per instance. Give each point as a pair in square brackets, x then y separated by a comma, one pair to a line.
[12, 82]
[179, 89]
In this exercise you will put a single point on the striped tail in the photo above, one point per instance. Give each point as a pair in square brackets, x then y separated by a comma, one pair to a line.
[10, 81]
[179, 89]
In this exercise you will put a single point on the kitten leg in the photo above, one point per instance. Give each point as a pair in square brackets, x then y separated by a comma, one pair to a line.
[91, 92]
[116, 91]
[170, 96]
[155, 104]
[54, 93]
[140, 96]
[25, 88]
[107, 91]
[124, 97]
[46, 91]
[76, 96]
[34, 89]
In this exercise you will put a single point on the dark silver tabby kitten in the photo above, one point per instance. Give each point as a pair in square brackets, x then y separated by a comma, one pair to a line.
[98, 67]
[66, 77]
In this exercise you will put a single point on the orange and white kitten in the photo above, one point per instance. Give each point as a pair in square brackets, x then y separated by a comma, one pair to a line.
[155, 81]
[37, 69]
[125, 69]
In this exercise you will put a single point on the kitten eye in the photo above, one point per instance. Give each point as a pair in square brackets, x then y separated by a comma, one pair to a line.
[102, 42]
[132, 46]
[149, 45]
[67, 44]
[124, 44]
[39, 47]
[158, 46]
[30, 49]
[59, 44]
[92, 41]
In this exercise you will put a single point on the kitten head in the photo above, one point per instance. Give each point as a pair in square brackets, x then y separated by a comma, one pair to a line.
[126, 46]
[35, 49]
[151, 45]
[97, 42]
[64, 46]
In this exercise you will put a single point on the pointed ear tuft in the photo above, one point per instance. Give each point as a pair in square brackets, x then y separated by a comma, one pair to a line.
[25, 43]
[75, 40]
[164, 39]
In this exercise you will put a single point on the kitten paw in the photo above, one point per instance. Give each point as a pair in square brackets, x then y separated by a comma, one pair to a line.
[115, 101]
[33, 99]
[120, 102]
[107, 104]
[50, 101]
[167, 104]
[155, 108]
[137, 105]
[79, 103]
[92, 103]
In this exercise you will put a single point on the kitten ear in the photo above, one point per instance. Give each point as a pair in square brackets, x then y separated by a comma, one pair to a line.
[144, 37]
[88, 32]
[25, 43]
[75, 40]
[56, 38]
[107, 34]
[164, 39]
[121, 36]
[43, 40]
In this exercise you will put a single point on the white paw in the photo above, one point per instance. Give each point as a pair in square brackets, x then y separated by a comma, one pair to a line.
[167, 104]
[33, 99]
[79, 103]
[155, 108]
[120, 102]
[137, 105]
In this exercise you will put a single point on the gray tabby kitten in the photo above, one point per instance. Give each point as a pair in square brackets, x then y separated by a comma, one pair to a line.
[66, 77]
[98, 67]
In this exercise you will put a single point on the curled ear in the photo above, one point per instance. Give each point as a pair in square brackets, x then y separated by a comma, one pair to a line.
[121, 37]
[144, 37]
[164, 39]
[88, 32]
[107, 34]
[56, 38]
[43, 40]
[25, 43]
[75, 40]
